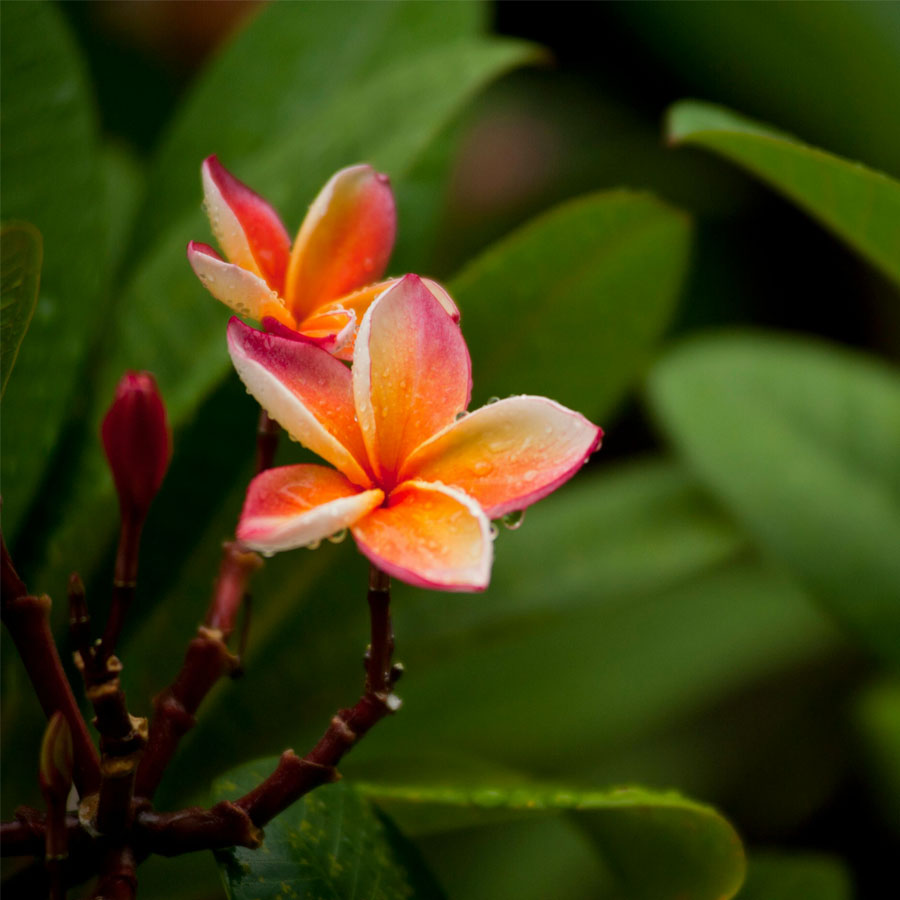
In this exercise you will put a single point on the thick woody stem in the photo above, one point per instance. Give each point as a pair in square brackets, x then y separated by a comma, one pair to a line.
[188, 830]
[25, 836]
[28, 621]
[294, 777]
[118, 875]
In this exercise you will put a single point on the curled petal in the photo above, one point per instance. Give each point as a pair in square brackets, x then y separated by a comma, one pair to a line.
[411, 374]
[331, 331]
[360, 301]
[239, 289]
[509, 454]
[345, 240]
[246, 227]
[293, 506]
[307, 391]
[431, 536]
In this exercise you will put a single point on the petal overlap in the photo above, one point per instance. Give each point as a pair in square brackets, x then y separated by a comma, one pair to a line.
[508, 454]
[429, 535]
[411, 374]
[345, 240]
[307, 391]
[293, 506]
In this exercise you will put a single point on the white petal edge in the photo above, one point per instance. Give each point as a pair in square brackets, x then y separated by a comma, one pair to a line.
[272, 534]
[240, 290]
[225, 224]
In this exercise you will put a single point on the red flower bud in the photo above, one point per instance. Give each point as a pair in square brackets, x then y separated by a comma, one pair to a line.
[137, 442]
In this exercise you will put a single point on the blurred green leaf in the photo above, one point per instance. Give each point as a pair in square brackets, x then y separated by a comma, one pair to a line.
[660, 845]
[878, 715]
[276, 78]
[799, 440]
[594, 279]
[330, 843]
[860, 205]
[50, 179]
[21, 249]
[826, 70]
[808, 876]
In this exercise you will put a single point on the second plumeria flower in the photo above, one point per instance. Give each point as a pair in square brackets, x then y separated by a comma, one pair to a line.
[417, 478]
[317, 290]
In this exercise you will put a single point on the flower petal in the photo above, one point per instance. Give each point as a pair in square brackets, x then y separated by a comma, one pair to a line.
[247, 228]
[431, 536]
[239, 289]
[509, 454]
[411, 374]
[293, 506]
[306, 390]
[345, 240]
[359, 301]
[331, 330]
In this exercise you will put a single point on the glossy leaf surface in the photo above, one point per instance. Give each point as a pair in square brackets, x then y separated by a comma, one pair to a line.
[21, 249]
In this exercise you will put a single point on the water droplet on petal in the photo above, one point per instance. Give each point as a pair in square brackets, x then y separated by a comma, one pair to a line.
[482, 467]
[313, 545]
[492, 400]
[268, 554]
[513, 520]
[530, 475]
[338, 536]
[461, 415]
[494, 531]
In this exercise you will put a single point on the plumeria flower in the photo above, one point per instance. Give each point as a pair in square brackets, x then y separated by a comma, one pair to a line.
[319, 289]
[415, 481]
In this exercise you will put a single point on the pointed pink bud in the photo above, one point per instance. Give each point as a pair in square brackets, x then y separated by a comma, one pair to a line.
[56, 760]
[137, 442]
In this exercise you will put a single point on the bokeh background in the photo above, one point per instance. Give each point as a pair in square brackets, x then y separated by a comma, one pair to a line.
[713, 604]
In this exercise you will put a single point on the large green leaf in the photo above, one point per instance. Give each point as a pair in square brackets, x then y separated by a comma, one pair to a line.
[50, 179]
[594, 279]
[21, 249]
[860, 205]
[331, 843]
[808, 876]
[660, 845]
[799, 440]
[826, 70]
[290, 63]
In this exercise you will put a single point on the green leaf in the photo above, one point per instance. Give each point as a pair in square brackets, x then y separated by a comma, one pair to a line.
[878, 717]
[331, 843]
[858, 204]
[291, 63]
[594, 279]
[660, 845]
[21, 249]
[50, 179]
[799, 440]
[781, 61]
[809, 876]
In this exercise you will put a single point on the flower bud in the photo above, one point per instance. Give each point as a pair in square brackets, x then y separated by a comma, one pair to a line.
[137, 442]
[56, 759]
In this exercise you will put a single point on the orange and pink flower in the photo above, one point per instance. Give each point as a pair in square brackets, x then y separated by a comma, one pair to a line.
[416, 478]
[317, 290]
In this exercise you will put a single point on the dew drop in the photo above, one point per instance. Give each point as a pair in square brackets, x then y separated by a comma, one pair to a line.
[314, 545]
[530, 475]
[268, 554]
[461, 415]
[338, 537]
[494, 531]
[491, 400]
[513, 520]
[482, 467]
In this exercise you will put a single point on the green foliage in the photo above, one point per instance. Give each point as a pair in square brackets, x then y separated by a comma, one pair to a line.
[21, 249]
[330, 844]
[878, 715]
[51, 179]
[660, 845]
[799, 440]
[860, 205]
[808, 876]
[598, 276]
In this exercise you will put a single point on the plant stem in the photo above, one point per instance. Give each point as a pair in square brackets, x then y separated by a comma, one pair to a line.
[28, 620]
[267, 434]
[124, 581]
[118, 875]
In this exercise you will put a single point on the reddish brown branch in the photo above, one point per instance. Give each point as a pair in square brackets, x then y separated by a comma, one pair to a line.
[28, 621]
[171, 834]
[118, 875]
[267, 433]
[124, 581]
[26, 835]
